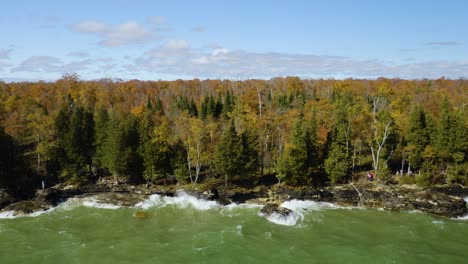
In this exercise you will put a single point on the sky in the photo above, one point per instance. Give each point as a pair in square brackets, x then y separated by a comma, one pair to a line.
[154, 40]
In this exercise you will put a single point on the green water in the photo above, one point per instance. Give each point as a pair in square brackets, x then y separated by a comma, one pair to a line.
[180, 233]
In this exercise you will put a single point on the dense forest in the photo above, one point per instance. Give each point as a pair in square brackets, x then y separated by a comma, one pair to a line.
[301, 131]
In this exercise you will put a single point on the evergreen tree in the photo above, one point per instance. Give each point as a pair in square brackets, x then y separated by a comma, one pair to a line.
[228, 104]
[121, 149]
[12, 167]
[417, 136]
[158, 107]
[248, 152]
[193, 108]
[204, 108]
[101, 135]
[337, 164]
[218, 106]
[228, 153]
[149, 106]
[294, 164]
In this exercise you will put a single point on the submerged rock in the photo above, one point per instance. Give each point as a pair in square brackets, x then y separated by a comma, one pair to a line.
[141, 215]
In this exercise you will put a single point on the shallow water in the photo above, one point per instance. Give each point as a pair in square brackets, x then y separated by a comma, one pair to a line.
[184, 229]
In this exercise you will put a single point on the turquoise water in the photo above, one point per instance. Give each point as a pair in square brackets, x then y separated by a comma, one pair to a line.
[187, 230]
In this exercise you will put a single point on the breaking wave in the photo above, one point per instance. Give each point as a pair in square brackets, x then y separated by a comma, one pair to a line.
[181, 200]
[299, 208]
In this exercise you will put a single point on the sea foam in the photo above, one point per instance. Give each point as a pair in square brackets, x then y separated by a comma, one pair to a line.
[299, 208]
[181, 200]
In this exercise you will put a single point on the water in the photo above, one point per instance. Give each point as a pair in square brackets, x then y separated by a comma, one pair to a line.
[184, 229]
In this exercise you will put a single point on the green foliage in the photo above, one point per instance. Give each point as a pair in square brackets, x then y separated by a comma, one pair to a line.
[82, 129]
[11, 163]
[236, 155]
[338, 165]
[428, 175]
[121, 148]
[417, 136]
[299, 157]
[74, 129]
[406, 179]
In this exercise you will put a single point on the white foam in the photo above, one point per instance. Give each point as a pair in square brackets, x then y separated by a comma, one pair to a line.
[288, 220]
[8, 215]
[462, 218]
[298, 208]
[306, 205]
[182, 200]
[13, 214]
[93, 203]
[232, 206]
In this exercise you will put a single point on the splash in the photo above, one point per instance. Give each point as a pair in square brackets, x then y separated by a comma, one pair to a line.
[287, 220]
[299, 208]
[181, 200]
[94, 203]
[14, 214]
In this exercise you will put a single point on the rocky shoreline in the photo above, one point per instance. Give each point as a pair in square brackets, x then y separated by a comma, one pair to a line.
[439, 201]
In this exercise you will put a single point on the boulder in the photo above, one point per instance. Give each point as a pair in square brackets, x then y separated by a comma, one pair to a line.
[5, 199]
[272, 208]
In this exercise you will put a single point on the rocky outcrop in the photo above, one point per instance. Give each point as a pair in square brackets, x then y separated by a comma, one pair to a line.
[442, 201]
[44, 199]
[400, 199]
[5, 199]
[272, 208]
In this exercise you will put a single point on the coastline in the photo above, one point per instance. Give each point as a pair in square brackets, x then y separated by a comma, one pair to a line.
[444, 201]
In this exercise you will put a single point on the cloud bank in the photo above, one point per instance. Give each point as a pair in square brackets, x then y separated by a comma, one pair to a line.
[114, 35]
[176, 57]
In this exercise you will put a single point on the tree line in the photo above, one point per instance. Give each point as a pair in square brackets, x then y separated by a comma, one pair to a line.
[301, 131]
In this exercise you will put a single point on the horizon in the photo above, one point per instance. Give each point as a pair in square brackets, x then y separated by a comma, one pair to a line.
[155, 40]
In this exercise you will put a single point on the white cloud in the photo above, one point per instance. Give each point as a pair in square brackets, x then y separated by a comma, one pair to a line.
[5, 54]
[171, 49]
[50, 64]
[444, 43]
[78, 53]
[118, 35]
[176, 57]
[157, 20]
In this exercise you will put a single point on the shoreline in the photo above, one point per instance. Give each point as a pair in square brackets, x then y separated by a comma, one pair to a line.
[445, 201]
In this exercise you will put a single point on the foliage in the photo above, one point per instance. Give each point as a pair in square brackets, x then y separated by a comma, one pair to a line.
[296, 129]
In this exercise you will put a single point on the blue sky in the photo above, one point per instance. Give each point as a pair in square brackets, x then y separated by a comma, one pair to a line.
[150, 40]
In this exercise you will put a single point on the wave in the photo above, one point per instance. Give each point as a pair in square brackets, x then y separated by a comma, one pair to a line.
[299, 208]
[287, 220]
[94, 203]
[14, 214]
[181, 200]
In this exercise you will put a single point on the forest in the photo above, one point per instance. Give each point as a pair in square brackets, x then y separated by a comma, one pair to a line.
[301, 131]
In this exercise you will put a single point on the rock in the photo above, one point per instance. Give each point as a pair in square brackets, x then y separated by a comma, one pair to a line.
[141, 215]
[272, 208]
[27, 207]
[5, 199]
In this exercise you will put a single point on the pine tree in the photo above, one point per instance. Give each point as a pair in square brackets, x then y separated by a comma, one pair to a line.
[158, 107]
[101, 135]
[193, 108]
[294, 164]
[228, 104]
[228, 153]
[417, 137]
[248, 152]
[337, 164]
[121, 149]
[12, 167]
